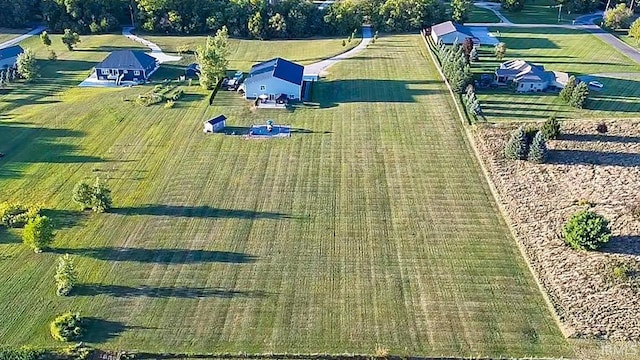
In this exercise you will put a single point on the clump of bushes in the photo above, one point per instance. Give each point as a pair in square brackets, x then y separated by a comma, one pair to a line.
[177, 95]
[551, 128]
[15, 214]
[149, 99]
[67, 327]
[66, 276]
[586, 230]
[169, 104]
[24, 353]
[527, 144]
[602, 128]
[38, 233]
[96, 197]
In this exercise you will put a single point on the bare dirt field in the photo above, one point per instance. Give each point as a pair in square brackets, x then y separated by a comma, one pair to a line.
[584, 169]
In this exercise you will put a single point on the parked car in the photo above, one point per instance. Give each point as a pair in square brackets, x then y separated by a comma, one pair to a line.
[596, 84]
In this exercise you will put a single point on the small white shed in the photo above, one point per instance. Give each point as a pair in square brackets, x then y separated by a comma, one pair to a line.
[215, 124]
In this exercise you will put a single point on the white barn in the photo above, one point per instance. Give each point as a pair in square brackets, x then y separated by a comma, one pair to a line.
[271, 79]
[449, 33]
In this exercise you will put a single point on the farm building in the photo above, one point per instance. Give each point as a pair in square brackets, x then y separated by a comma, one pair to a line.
[126, 65]
[271, 79]
[215, 124]
[9, 55]
[449, 32]
[529, 77]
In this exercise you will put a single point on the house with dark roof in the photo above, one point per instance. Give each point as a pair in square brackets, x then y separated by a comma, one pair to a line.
[449, 32]
[529, 77]
[127, 65]
[9, 56]
[272, 79]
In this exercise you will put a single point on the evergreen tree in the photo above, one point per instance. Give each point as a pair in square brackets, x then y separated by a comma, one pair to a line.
[66, 276]
[44, 37]
[473, 56]
[500, 50]
[516, 147]
[579, 95]
[551, 128]
[538, 149]
[27, 66]
[567, 91]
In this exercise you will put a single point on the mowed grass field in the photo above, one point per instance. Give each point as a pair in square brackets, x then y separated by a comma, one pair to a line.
[245, 53]
[371, 226]
[8, 34]
[540, 12]
[571, 51]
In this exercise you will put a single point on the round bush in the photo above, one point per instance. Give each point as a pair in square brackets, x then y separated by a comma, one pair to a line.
[586, 230]
[67, 327]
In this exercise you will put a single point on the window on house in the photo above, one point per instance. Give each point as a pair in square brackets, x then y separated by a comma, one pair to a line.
[105, 71]
[136, 72]
[531, 86]
[263, 87]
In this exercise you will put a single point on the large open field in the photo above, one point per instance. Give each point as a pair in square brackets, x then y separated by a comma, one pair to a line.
[371, 226]
[571, 51]
[540, 12]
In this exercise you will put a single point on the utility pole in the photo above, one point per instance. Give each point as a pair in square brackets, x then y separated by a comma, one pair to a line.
[132, 18]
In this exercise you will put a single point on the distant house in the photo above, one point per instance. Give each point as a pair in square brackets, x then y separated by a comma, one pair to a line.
[126, 65]
[9, 55]
[273, 78]
[215, 124]
[529, 77]
[192, 71]
[449, 32]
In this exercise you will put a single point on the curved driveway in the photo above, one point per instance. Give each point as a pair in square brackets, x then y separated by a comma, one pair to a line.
[316, 69]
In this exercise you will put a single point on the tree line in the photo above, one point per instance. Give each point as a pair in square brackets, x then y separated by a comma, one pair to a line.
[243, 18]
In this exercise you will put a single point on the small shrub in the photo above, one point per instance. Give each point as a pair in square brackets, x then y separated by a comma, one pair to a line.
[635, 211]
[602, 128]
[538, 149]
[584, 202]
[551, 128]
[586, 230]
[15, 214]
[381, 352]
[38, 233]
[67, 327]
[177, 95]
[66, 276]
[516, 147]
[344, 43]
[169, 104]
[620, 273]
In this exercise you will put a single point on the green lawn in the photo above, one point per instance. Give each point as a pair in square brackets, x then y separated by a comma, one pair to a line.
[371, 226]
[539, 12]
[562, 50]
[8, 34]
[481, 15]
[245, 53]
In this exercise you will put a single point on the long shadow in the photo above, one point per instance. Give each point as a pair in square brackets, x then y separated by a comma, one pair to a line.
[101, 330]
[161, 292]
[582, 157]
[527, 43]
[333, 93]
[198, 212]
[160, 256]
[65, 219]
[8, 237]
[244, 130]
[625, 245]
[601, 138]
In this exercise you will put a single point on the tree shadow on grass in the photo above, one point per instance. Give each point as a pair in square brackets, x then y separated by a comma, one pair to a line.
[600, 138]
[162, 292]
[8, 236]
[334, 93]
[583, 157]
[65, 219]
[198, 212]
[244, 130]
[100, 330]
[624, 245]
[161, 256]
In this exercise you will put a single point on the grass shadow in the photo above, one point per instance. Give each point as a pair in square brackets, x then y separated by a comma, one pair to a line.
[333, 93]
[101, 330]
[8, 236]
[160, 256]
[65, 219]
[161, 292]
[198, 212]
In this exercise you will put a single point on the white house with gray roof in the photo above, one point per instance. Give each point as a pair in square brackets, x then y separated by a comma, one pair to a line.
[529, 77]
[9, 56]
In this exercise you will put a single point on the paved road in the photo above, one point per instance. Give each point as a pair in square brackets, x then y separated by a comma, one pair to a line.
[316, 69]
[12, 42]
[584, 22]
[156, 52]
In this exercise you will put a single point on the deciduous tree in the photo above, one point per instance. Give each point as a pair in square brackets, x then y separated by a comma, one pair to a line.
[38, 233]
[70, 38]
[212, 58]
[27, 65]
